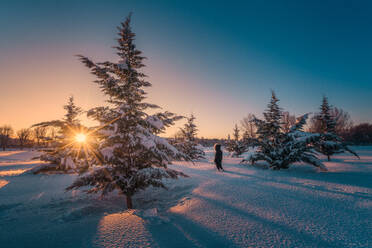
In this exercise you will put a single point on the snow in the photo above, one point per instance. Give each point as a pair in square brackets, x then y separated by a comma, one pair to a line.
[3, 183]
[155, 122]
[68, 162]
[242, 207]
[108, 152]
[122, 64]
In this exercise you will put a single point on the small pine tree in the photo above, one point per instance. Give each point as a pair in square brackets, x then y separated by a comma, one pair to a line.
[69, 155]
[236, 146]
[72, 112]
[190, 130]
[330, 143]
[132, 155]
[236, 132]
[278, 148]
[187, 143]
[273, 124]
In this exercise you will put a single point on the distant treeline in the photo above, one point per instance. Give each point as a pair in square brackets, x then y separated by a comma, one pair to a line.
[360, 134]
[38, 137]
[352, 134]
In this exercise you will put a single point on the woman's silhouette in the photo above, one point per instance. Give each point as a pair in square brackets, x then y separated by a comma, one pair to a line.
[218, 157]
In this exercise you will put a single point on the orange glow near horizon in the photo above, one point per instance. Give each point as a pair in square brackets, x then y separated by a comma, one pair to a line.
[37, 91]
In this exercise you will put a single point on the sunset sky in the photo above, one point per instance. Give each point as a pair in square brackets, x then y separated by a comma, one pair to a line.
[216, 59]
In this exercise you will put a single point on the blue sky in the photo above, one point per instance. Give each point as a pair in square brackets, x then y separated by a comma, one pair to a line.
[217, 59]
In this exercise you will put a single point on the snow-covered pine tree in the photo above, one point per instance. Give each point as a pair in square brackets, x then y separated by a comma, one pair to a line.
[133, 156]
[72, 112]
[280, 149]
[330, 143]
[69, 155]
[187, 143]
[237, 146]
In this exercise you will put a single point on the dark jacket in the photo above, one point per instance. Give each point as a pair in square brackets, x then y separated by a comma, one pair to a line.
[218, 155]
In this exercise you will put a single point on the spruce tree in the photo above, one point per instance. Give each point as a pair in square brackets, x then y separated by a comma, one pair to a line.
[72, 112]
[236, 132]
[187, 142]
[190, 130]
[69, 155]
[132, 155]
[273, 125]
[281, 148]
[237, 146]
[330, 143]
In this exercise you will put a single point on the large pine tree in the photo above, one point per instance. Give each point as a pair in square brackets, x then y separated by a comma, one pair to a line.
[187, 142]
[330, 143]
[281, 148]
[133, 156]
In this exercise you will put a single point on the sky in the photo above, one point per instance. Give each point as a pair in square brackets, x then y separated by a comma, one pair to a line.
[216, 59]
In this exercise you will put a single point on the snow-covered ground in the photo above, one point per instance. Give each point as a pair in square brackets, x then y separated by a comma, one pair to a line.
[242, 207]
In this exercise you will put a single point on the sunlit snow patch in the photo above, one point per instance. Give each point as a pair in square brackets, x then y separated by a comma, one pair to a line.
[3, 183]
[9, 153]
[12, 172]
[18, 163]
[123, 228]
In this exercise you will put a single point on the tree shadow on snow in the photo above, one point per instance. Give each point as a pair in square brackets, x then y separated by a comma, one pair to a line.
[286, 231]
[182, 232]
[318, 181]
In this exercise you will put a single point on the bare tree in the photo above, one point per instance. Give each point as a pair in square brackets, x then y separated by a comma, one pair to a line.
[315, 125]
[288, 120]
[6, 132]
[248, 126]
[178, 135]
[343, 121]
[23, 135]
[51, 135]
[39, 134]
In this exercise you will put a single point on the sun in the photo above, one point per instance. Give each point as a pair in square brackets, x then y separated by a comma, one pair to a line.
[80, 137]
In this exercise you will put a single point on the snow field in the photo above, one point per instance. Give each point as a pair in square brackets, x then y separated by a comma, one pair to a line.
[242, 207]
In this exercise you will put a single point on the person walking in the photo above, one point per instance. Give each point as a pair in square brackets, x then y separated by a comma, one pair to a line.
[218, 157]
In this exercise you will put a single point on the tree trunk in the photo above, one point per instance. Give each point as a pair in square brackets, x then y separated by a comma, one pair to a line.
[129, 202]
